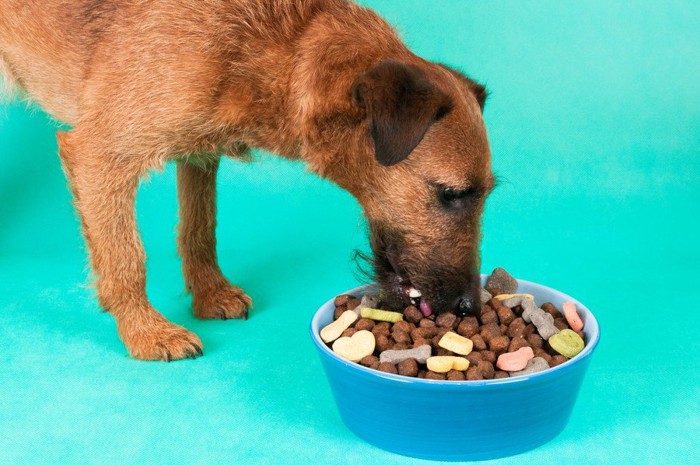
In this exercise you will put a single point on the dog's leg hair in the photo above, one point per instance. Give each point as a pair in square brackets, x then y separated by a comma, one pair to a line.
[105, 192]
[212, 295]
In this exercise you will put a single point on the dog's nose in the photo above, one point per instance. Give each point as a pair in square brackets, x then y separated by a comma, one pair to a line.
[468, 304]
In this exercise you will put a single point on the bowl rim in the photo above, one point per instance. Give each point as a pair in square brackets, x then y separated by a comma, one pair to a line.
[557, 370]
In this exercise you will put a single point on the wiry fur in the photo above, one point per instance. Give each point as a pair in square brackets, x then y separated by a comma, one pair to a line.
[146, 82]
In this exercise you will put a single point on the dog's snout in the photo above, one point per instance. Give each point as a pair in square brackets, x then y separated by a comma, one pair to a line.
[468, 304]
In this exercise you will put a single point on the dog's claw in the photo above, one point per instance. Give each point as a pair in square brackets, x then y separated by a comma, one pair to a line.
[245, 314]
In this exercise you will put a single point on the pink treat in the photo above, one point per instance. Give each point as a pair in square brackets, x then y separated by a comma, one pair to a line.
[515, 361]
[572, 316]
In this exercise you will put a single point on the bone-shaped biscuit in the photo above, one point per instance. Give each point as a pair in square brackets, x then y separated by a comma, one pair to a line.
[334, 330]
[445, 363]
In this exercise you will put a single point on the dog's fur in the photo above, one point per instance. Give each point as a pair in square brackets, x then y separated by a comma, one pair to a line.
[323, 81]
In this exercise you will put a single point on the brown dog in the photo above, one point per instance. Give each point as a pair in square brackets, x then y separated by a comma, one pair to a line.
[323, 81]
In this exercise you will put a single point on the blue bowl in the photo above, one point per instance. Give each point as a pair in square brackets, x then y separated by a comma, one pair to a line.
[456, 420]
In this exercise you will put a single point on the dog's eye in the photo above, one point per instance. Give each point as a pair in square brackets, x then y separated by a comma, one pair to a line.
[450, 196]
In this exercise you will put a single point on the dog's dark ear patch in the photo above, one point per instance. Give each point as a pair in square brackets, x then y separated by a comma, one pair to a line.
[474, 87]
[401, 105]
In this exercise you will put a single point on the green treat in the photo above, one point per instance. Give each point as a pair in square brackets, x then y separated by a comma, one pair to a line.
[380, 315]
[567, 343]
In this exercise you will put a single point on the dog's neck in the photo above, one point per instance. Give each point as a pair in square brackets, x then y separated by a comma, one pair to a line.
[302, 108]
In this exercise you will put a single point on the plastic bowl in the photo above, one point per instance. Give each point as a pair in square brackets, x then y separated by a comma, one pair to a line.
[457, 420]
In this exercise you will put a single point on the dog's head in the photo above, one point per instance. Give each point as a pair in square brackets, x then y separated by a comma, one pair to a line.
[424, 174]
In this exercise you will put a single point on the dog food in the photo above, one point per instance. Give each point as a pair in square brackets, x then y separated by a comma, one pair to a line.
[454, 342]
[445, 363]
[381, 315]
[355, 347]
[569, 310]
[333, 331]
[509, 336]
[567, 343]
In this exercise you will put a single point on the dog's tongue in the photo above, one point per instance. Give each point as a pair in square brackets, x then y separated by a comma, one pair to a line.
[425, 308]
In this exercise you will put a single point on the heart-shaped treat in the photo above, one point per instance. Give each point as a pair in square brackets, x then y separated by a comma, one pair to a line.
[356, 347]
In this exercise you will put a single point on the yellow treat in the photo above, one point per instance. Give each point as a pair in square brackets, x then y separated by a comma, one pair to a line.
[508, 296]
[445, 363]
[380, 315]
[356, 347]
[456, 343]
[335, 329]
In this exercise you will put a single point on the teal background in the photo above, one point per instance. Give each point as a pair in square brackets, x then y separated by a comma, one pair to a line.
[595, 131]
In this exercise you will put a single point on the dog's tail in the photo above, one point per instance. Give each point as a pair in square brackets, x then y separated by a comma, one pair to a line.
[9, 87]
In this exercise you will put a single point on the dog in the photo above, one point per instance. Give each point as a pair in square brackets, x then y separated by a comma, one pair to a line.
[326, 82]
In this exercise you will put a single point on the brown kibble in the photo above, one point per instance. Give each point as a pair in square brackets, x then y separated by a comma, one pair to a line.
[517, 343]
[516, 328]
[535, 341]
[479, 343]
[442, 351]
[404, 326]
[493, 303]
[369, 361]
[387, 367]
[499, 344]
[561, 324]
[473, 357]
[383, 342]
[539, 352]
[426, 323]
[421, 342]
[382, 327]
[551, 309]
[468, 327]
[348, 332]
[432, 375]
[424, 333]
[489, 317]
[401, 337]
[486, 369]
[401, 346]
[412, 314]
[500, 374]
[529, 329]
[518, 310]
[338, 311]
[582, 335]
[442, 331]
[505, 315]
[489, 356]
[490, 331]
[446, 320]
[421, 373]
[353, 303]
[454, 375]
[342, 299]
[364, 324]
[408, 367]
[503, 328]
[474, 374]
[557, 360]
[494, 291]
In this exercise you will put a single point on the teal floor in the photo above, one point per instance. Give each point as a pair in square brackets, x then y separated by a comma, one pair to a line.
[594, 121]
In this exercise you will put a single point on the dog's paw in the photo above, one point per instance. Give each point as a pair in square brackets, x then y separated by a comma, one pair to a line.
[160, 340]
[223, 303]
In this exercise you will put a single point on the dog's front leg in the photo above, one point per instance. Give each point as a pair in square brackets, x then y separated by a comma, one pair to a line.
[212, 295]
[104, 186]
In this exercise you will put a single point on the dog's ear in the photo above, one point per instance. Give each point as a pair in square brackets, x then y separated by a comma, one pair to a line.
[479, 90]
[401, 104]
